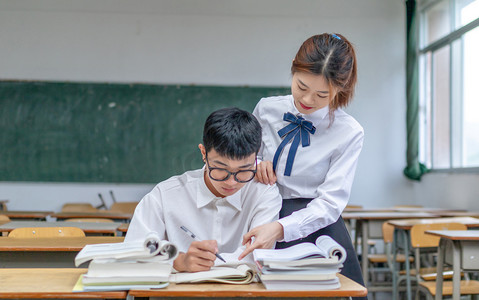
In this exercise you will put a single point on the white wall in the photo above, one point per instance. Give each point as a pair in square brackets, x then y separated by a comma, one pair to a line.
[222, 42]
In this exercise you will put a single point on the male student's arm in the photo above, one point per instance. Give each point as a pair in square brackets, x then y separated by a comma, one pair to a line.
[149, 217]
[265, 211]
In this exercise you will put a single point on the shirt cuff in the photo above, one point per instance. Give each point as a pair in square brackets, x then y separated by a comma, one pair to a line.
[290, 229]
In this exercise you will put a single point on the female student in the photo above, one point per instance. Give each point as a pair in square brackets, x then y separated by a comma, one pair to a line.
[310, 148]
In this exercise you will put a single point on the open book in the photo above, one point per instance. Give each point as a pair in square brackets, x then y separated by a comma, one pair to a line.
[233, 271]
[325, 252]
[152, 248]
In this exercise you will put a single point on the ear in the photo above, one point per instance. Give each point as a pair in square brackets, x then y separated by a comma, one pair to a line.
[203, 151]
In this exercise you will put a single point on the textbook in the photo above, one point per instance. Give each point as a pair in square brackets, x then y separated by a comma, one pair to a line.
[240, 274]
[123, 266]
[315, 285]
[233, 271]
[305, 266]
[325, 251]
[81, 287]
[150, 249]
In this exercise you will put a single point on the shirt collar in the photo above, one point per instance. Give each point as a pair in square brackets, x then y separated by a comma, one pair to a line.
[204, 196]
[314, 117]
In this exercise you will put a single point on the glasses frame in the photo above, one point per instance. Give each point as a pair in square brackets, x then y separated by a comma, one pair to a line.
[231, 173]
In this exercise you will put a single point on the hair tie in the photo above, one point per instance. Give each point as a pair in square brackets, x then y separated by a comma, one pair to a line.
[335, 36]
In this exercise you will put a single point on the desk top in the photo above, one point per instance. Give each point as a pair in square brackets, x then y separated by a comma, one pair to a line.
[100, 214]
[60, 244]
[470, 222]
[47, 283]
[349, 288]
[25, 214]
[456, 235]
[386, 215]
[87, 227]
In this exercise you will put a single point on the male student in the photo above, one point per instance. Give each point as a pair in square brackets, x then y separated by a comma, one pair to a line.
[219, 203]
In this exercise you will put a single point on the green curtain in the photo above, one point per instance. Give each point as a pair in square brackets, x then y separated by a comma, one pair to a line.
[414, 169]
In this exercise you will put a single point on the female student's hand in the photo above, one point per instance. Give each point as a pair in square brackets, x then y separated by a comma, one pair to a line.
[265, 173]
[265, 236]
[200, 257]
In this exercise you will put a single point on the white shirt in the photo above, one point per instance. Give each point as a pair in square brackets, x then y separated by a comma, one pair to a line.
[324, 170]
[185, 200]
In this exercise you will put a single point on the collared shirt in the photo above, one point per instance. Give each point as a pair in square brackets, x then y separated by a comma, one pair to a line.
[323, 171]
[185, 200]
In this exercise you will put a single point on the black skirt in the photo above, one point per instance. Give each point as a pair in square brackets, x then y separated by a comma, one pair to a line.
[337, 231]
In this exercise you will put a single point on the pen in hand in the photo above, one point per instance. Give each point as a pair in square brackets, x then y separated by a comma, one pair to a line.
[193, 236]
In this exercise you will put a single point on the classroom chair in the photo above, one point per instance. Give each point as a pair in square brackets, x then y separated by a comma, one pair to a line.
[46, 232]
[424, 248]
[468, 287]
[97, 220]
[78, 207]
[380, 263]
[123, 207]
[4, 219]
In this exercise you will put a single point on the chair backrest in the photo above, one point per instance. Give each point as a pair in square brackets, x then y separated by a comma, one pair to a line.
[388, 232]
[95, 220]
[4, 219]
[420, 239]
[124, 207]
[354, 206]
[78, 207]
[46, 232]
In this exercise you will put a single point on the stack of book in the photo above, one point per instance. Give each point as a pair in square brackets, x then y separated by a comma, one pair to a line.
[304, 266]
[124, 266]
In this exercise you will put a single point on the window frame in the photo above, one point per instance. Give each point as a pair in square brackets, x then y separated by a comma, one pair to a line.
[426, 88]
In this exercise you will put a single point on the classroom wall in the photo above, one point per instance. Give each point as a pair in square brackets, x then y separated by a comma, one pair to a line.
[224, 43]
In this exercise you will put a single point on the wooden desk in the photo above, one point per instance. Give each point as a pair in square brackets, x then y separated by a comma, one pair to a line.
[402, 235]
[465, 246]
[45, 252]
[90, 228]
[25, 214]
[366, 222]
[118, 216]
[47, 283]
[348, 289]
[123, 228]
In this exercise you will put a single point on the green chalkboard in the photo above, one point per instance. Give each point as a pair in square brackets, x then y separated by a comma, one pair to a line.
[91, 132]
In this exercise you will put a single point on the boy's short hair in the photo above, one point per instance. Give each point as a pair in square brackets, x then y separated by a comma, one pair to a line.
[232, 132]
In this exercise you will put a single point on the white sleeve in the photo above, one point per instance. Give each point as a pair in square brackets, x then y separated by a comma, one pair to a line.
[148, 217]
[267, 207]
[333, 194]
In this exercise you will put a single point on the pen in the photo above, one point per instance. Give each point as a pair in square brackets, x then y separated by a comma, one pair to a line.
[195, 237]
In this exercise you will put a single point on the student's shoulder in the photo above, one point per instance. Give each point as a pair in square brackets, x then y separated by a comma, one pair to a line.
[182, 181]
[273, 101]
[275, 105]
[255, 188]
[341, 118]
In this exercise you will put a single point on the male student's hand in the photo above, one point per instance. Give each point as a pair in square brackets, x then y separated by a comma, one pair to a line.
[265, 173]
[265, 236]
[200, 257]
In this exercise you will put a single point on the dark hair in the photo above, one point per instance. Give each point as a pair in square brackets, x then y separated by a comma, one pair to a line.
[333, 57]
[232, 132]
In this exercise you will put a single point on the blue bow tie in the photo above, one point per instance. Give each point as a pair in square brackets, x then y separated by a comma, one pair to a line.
[299, 129]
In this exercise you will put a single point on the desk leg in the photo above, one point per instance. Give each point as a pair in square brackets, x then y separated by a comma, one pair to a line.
[393, 265]
[456, 267]
[365, 250]
[440, 268]
[405, 235]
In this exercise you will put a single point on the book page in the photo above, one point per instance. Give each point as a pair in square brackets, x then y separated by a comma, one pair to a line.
[152, 246]
[331, 247]
[241, 274]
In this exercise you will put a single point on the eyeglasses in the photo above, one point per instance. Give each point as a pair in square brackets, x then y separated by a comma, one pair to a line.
[220, 174]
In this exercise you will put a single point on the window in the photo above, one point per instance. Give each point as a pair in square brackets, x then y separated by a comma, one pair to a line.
[449, 84]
